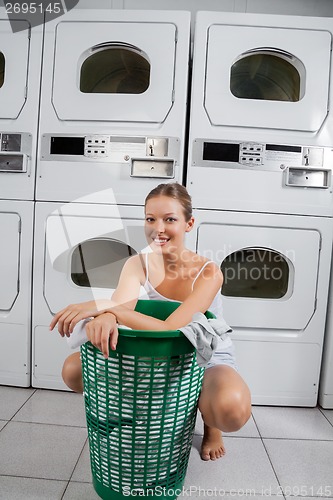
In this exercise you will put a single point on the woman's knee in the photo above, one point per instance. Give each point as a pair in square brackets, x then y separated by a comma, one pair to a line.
[225, 402]
[72, 372]
[233, 411]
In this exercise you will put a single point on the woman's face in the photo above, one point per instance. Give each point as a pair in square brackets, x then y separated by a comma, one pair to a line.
[165, 224]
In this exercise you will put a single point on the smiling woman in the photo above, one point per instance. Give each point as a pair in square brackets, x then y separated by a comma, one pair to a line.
[169, 272]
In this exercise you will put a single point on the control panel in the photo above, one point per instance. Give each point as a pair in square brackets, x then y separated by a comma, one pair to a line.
[145, 156]
[15, 150]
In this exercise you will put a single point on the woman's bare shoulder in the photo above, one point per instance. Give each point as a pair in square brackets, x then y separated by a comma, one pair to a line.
[210, 270]
[136, 265]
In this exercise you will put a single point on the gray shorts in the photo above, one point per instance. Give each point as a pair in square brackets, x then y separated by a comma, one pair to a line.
[225, 356]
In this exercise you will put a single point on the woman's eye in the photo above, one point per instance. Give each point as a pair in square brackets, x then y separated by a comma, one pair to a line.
[171, 219]
[149, 219]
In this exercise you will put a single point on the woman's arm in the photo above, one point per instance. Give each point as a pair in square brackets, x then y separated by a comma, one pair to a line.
[205, 289]
[126, 294]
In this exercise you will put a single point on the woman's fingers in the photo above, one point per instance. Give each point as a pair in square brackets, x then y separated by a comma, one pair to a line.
[103, 333]
[56, 317]
[114, 337]
[68, 318]
[105, 336]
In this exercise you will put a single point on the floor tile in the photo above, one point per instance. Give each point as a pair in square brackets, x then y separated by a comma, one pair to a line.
[53, 407]
[22, 488]
[2, 423]
[328, 414]
[292, 423]
[39, 450]
[12, 398]
[244, 467]
[80, 491]
[82, 471]
[303, 468]
[249, 429]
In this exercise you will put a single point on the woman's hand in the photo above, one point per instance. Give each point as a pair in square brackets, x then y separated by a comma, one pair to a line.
[68, 317]
[102, 331]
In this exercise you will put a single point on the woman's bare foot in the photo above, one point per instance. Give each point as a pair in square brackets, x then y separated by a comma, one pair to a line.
[212, 446]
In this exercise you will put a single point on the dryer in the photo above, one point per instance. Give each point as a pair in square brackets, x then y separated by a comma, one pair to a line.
[326, 376]
[16, 227]
[113, 104]
[112, 127]
[79, 252]
[260, 174]
[20, 60]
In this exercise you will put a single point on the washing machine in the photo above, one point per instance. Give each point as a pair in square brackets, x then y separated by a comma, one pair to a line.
[260, 175]
[326, 376]
[113, 104]
[20, 61]
[112, 127]
[80, 249]
[16, 224]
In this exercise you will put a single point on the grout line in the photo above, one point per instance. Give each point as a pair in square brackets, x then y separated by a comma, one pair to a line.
[48, 423]
[64, 492]
[34, 477]
[322, 412]
[270, 461]
[77, 461]
[255, 423]
[22, 405]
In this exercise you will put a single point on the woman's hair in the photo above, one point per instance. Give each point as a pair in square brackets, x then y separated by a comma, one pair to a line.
[176, 191]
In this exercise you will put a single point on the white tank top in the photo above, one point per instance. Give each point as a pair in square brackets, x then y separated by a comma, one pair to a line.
[152, 294]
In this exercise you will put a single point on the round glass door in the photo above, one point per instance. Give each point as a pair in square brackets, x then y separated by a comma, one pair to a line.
[115, 69]
[98, 262]
[256, 273]
[268, 74]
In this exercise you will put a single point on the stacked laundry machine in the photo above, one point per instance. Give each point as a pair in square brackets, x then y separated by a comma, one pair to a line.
[260, 174]
[20, 60]
[326, 377]
[112, 127]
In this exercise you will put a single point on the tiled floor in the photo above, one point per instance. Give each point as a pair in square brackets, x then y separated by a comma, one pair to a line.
[44, 453]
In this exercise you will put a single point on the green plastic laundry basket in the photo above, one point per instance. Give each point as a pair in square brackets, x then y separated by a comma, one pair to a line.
[141, 406]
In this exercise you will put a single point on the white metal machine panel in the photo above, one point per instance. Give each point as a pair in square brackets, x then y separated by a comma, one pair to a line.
[227, 43]
[277, 339]
[127, 128]
[151, 106]
[61, 231]
[326, 376]
[16, 223]
[259, 177]
[20, 61]
[14, 88]
[249, 150]
[300, 248]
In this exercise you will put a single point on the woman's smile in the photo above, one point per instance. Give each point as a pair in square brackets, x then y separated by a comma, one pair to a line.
[160, 241]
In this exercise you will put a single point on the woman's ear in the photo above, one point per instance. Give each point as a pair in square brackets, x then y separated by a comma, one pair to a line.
[190, 225]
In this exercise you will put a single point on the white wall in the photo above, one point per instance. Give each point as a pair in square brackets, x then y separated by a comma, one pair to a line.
[291, 7]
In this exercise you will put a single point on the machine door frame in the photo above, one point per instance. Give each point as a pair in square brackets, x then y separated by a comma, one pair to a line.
[297, 314]
[151, 106]
[65, 230]
[10, 223]
[16, 221]
[13, 93]
[223, 108]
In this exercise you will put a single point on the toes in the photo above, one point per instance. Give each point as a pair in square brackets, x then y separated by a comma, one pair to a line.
[205, 456]
[212, 454]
